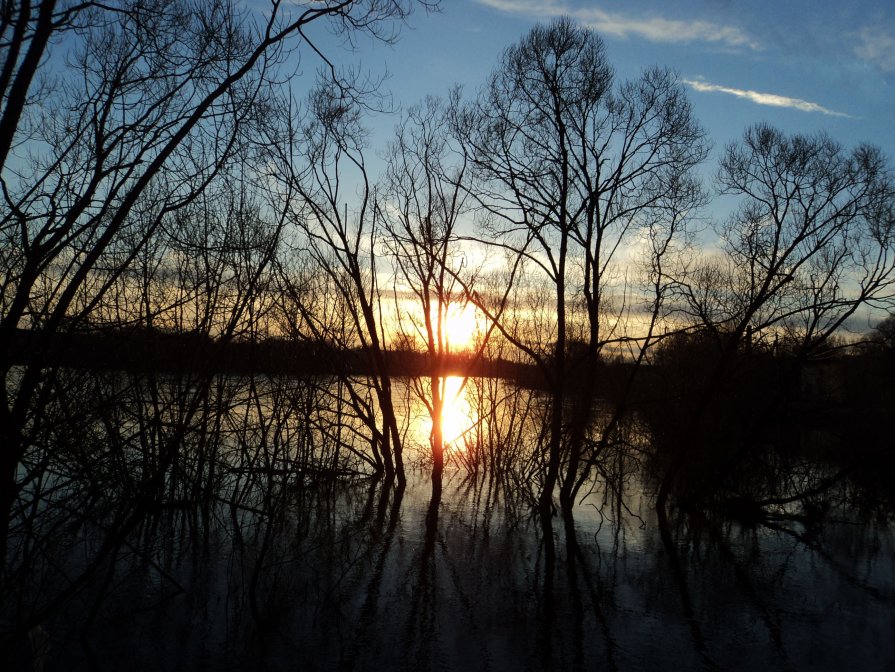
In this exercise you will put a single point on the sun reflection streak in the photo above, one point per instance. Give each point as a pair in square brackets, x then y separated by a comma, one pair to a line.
[457, 416]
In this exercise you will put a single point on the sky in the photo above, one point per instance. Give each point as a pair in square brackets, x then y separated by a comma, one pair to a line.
[800, 65]
[803, 66]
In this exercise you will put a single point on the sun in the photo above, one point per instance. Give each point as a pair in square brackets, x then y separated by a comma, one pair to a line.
[461, 325]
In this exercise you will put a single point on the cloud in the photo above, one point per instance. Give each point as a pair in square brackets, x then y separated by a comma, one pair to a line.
[877, 46]
[771, 99]
[654, 29]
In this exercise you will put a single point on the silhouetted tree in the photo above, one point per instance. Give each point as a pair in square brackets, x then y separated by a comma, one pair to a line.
[812, 241]
[110, 109]
[420, 206]
[324, 166]
[574, 172]
[883, 334]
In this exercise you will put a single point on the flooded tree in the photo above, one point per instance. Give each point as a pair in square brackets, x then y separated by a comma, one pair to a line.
[811, 243]
[116, 118]
[211, 310]
[574, 171]
[323, 167]
[421, 205]
[813, 240]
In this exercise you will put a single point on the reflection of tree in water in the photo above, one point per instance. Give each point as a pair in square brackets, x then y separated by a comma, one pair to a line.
[160, 506]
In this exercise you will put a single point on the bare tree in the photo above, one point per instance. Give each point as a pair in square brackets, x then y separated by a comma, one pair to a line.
[325, 166]
[812, 241]
[421, 205]
[573, 172]
[148, 105]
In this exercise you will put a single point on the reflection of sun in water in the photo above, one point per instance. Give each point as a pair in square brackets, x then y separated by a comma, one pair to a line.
[457, 416]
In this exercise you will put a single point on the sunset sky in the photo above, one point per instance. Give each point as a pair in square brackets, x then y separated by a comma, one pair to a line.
[801, 65]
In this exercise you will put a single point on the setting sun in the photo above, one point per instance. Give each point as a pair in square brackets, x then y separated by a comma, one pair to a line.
[462, 325]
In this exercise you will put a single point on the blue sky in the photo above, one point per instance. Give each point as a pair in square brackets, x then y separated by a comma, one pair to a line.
[800, 65]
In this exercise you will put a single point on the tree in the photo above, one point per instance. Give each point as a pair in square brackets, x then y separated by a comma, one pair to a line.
[574, 171]
[151, 102]
[812, 241]
[321, 166]
[420, 207]
[883, 335]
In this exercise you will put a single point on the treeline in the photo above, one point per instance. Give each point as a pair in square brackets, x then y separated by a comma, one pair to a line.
[140, 351]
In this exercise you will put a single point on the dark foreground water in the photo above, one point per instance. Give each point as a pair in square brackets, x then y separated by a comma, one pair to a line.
[355, 577]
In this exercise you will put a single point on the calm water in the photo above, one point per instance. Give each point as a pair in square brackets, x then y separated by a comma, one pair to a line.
[283, 572]
[348, 578]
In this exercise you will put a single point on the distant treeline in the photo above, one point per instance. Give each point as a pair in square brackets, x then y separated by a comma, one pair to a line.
[161, 351]
[864, 378]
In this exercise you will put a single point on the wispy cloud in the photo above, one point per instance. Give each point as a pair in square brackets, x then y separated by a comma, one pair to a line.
[772, 99]
[654, 29]
[877, 46]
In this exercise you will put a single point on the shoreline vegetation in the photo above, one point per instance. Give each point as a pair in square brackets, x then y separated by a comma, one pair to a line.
[194, 352]
[856, 378]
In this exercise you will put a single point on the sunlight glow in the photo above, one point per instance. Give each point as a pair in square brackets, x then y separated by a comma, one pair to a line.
[457, 416]
[461, 325]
